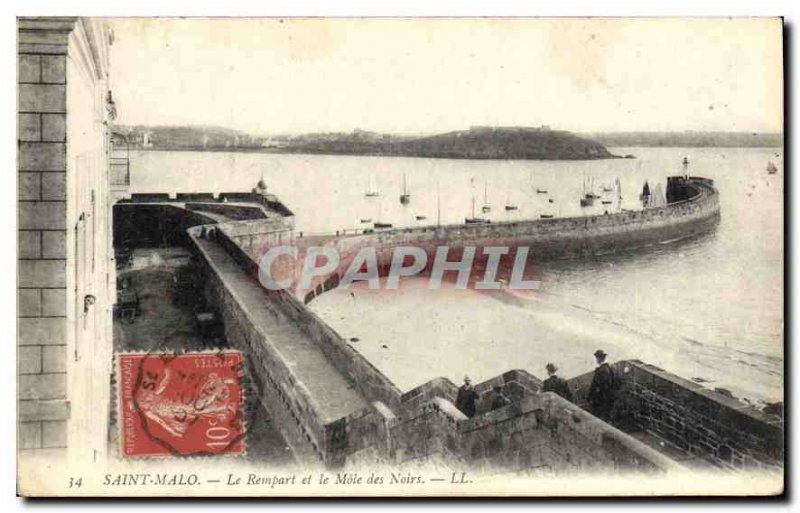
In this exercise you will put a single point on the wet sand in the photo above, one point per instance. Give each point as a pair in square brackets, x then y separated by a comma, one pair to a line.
[415, 334]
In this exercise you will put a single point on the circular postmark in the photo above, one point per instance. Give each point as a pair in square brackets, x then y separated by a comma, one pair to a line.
[182, 403]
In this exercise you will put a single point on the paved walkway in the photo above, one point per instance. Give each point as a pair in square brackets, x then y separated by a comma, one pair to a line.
[334, 396]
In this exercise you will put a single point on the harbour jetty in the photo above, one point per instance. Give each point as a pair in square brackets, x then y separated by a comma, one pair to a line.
[335, 407]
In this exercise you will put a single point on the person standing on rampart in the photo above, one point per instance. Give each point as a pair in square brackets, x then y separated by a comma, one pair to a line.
[500, 399]
[465, 401]
[556, 384]
[601, 392]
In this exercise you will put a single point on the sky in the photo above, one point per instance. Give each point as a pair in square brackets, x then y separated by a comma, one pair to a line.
[275, 76]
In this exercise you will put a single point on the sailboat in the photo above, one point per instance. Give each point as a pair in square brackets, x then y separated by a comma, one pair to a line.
[382, 225]
[372, 192]
[473, 219]
[607, 199]
[591, 193]
[587, 198]
[405, 198]
[378, 223]
[644, 197]
[510, 207]
[486, 208]
[771, 169]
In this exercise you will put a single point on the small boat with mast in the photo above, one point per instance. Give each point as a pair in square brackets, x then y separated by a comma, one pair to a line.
[486, 208]
[372, 191]
[771, 169]
[380, 224]
[405, 198]
[473, 219]
[510, 207]
[589, 196]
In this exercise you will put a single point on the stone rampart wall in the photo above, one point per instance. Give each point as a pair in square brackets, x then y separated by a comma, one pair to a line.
[541, 433]
[237, 212]
[287, 400]
[701, 422]
[546, 238]
[371, 382]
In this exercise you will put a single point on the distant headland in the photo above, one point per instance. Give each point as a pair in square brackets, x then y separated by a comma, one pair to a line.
[478, 142]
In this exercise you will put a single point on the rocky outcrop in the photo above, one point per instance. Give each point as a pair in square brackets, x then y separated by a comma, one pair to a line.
[476, 143]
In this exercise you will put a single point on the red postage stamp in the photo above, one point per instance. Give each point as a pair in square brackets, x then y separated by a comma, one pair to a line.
[187, 404]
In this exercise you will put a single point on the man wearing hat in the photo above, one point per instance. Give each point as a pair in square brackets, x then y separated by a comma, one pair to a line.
[555, 384]
[601, 393]
[465, 401]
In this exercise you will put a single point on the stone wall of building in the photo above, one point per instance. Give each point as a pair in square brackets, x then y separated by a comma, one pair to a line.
[65, 269]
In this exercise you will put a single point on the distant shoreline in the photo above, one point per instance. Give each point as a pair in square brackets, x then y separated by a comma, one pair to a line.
[333, 154]
[475, 143]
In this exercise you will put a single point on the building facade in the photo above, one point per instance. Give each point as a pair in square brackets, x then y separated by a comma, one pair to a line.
[66, 278]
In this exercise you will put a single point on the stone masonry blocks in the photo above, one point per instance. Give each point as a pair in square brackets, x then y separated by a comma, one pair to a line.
[30, 244]
[29, 360]
[54, 302]
[54, 186]
[51, 215]
[29, 435]
[54, 358]
[29, 186]
[42, 156]
[29, 127]
[29, 302]
[42, 98]
[54, 127]
[42, 386]
[54, 69]
[42, 273]
[41, 331]
[28, 68]
[43, 410]
[54, 244]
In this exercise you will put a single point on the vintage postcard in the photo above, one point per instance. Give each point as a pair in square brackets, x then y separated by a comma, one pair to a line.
[400, 256]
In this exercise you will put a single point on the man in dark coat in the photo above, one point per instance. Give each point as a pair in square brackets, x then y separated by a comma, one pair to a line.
[601, 393]
[465, 401]
[555, 384]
